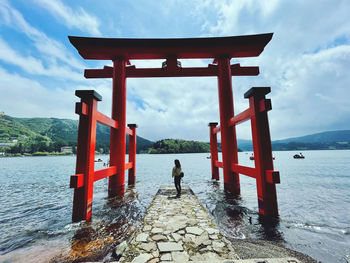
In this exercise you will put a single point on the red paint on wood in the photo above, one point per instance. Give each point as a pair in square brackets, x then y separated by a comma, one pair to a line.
[103, 119]
[228, 134]
[249, 171]
[267, 197]
[103, 173]
[242, 117]
[116, 184]
[219, 164]
[133, 72]
[272, 177]
[213, 151]
[132, 154]
[128, 131]
[217, 129]
[82, 200]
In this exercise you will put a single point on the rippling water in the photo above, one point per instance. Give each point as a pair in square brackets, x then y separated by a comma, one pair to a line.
[36, 203]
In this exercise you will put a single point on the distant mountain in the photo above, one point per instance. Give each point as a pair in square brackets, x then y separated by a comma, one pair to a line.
[52, 133]
[329, 140]
[322, 137]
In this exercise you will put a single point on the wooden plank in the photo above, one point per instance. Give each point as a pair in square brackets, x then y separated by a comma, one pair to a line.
[129, 165]
[103, 119]
[245, 170]
[242, 117]
[76, 180]
[217, 129]
[218, 164]
[129, 131]
[103, 173]
[81, 108]
[272, 177]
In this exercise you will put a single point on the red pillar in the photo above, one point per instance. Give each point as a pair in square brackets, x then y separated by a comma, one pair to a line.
[116, 184]
[213, 151]
[228, 134]
[132, 154]
[267, 198]
[87, 108]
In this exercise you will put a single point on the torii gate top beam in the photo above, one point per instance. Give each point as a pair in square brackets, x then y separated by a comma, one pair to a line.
[112, 48]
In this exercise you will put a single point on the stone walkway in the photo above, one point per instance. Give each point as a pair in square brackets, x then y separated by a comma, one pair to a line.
[179, 230]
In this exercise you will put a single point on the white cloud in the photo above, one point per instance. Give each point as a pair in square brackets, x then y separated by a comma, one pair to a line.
[305, 63]
[44, 44]
[23, 97]
[79, 19]
[35, 66]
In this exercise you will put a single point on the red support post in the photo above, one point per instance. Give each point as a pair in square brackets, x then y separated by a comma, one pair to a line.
[267, 197]
[116, 184]
[214, 151]
[228, 134]
[82, 200]
[132, 154]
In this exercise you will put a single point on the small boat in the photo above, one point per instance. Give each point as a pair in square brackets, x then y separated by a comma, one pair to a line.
[208, 157]
[98, 160]
[299, 156]
[252, 157]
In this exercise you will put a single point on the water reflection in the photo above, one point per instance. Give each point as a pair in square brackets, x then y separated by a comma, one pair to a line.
[235, 219]
[112, 223]
[270, 228]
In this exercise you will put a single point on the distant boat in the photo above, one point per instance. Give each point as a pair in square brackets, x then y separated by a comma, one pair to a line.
[252, 157]
[98, 160]
[299, 156]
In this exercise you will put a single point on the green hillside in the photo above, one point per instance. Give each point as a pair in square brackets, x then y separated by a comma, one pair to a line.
[179, 146]
[330, 140]
[322, 137]
[50, 134]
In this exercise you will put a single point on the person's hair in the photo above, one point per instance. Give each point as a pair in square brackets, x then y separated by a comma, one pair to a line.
[177, 163]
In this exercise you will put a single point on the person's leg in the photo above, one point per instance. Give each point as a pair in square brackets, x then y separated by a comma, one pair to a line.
[176, 185]
[179, 193]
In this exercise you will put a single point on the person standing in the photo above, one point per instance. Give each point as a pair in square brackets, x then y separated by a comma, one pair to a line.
[177, 174]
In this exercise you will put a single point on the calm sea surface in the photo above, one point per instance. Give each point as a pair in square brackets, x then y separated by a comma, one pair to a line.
[313, 197]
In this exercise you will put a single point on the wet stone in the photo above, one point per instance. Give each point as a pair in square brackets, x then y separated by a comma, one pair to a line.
[194, 230]
[120, 248]
[212, 231]
[169, 246]
[147, 228]
[160, 225]
[176, 237]
[148, 246]
[142, 258]
[142, 237]
[166, 257]
[159, 237]
[153, 260]
[180, 256]
[156, 230]
[213, 237]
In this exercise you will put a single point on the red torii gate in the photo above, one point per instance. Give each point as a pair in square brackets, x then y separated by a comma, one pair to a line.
[221, 50]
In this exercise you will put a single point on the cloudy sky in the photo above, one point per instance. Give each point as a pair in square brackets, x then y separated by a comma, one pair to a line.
[307, 62]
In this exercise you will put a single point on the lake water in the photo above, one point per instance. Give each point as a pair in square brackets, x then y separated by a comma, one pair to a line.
[36, 204]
